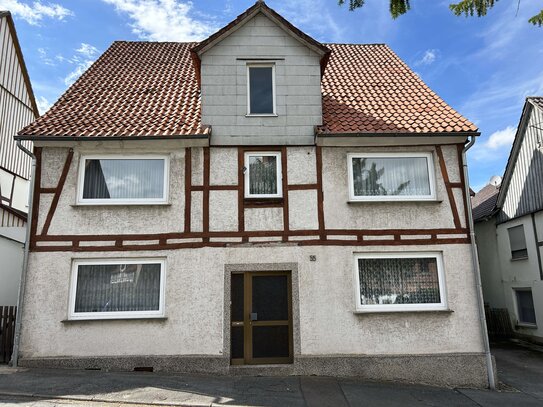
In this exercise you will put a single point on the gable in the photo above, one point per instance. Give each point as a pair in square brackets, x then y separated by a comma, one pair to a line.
[17, 104]
[521, 190]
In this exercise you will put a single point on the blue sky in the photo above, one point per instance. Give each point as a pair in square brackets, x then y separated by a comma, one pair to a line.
[483, 67]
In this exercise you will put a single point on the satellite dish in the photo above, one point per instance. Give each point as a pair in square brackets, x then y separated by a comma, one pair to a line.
[496, 180]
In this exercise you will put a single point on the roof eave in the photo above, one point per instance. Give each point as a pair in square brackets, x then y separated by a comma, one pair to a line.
[102, 138]
[515, 149]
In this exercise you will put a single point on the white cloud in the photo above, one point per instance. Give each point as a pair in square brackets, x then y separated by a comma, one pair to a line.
[501, 138]
[429, 57]
[313, 17]
[496, 147]
[43, 104]
[83, 59]
[163, 20]
[33, 14]
[45, 58]
[87, 50]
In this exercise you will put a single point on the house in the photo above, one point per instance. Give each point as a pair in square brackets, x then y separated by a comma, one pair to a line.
[256, 203]
[509, 229]
[17, 110]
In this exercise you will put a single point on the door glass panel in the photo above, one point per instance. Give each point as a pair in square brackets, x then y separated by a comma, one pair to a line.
[237, 297]
[270, 298]
[271, 341]
[237, 342]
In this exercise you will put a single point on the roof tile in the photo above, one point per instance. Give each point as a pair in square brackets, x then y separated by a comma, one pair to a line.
[149, 89]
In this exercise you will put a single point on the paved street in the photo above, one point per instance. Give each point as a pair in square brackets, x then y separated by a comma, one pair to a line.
[520, 370]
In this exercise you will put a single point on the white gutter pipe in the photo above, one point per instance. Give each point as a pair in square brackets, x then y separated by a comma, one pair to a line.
[477, 272]
[22, 284]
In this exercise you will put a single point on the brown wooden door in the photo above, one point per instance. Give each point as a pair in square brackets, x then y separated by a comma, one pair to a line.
[261, 318]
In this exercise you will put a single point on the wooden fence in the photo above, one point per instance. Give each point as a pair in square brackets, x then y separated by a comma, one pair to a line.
[7, 332]
[498, 323]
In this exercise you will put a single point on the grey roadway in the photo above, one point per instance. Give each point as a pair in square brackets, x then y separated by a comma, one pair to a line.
[520, 369]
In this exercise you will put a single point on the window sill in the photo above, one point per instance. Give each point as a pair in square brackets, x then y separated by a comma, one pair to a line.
[119, 204]
[397, 311]
[261, 115]
[525, 325]
[152, 319]
[520, 258]
[390, 201]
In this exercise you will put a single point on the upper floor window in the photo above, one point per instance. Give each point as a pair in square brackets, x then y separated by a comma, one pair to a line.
[391, 176]
[261, 89]
[517, 241]
[123, 180]
[399, 282]
[263, 175]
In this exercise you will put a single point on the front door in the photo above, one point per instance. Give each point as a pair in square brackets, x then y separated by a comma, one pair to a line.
[261, 318]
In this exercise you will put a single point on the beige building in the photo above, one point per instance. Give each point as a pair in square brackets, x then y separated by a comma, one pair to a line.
[257, 203]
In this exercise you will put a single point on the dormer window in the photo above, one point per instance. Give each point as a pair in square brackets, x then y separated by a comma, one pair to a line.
[261, 89]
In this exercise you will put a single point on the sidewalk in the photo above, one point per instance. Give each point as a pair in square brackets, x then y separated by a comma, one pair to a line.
[520, 368]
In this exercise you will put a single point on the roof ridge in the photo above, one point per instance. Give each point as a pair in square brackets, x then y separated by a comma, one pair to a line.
[356, 43]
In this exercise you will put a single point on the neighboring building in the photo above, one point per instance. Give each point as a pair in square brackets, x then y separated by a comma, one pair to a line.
[17, 109]
[509, 229]
[258, 198]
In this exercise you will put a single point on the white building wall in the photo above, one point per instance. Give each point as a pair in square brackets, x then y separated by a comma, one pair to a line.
[489, 263]
[224, 87]
[522, 273]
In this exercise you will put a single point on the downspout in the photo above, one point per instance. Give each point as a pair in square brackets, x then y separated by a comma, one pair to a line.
[477, 272]
[22, 284]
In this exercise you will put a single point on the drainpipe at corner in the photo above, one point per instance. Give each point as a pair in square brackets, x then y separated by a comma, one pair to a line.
[22, 285]
[477, 272]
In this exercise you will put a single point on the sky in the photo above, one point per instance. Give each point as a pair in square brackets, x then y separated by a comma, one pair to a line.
[483, 67]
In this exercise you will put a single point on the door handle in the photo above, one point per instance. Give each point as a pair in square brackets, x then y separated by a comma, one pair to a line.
[254, 316]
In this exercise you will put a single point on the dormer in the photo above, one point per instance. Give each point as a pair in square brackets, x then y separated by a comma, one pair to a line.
[260, 80]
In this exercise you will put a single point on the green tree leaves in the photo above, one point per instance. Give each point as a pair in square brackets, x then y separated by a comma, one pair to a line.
[467, 7]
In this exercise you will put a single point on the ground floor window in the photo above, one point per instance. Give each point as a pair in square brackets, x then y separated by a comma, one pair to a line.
[525, 306]
[399, 282]
[125, 288]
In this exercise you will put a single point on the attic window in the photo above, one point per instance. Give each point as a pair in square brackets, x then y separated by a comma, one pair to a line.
[261, 89]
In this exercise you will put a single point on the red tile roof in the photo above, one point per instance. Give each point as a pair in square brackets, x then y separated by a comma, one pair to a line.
[483, 204]
[369, 89]
[150, 89]
[134, 89]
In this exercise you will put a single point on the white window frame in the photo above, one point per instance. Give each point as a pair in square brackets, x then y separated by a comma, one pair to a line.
[441, 306]
[279, 174]
[517, 313]
[123, 201]
[261, 65]
[72, 315]
[379, 198]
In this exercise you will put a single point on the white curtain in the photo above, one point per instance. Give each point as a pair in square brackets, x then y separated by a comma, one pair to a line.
[374, 176]
[398, 281]
[263, 175]
[117, 288]
[123, 179]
